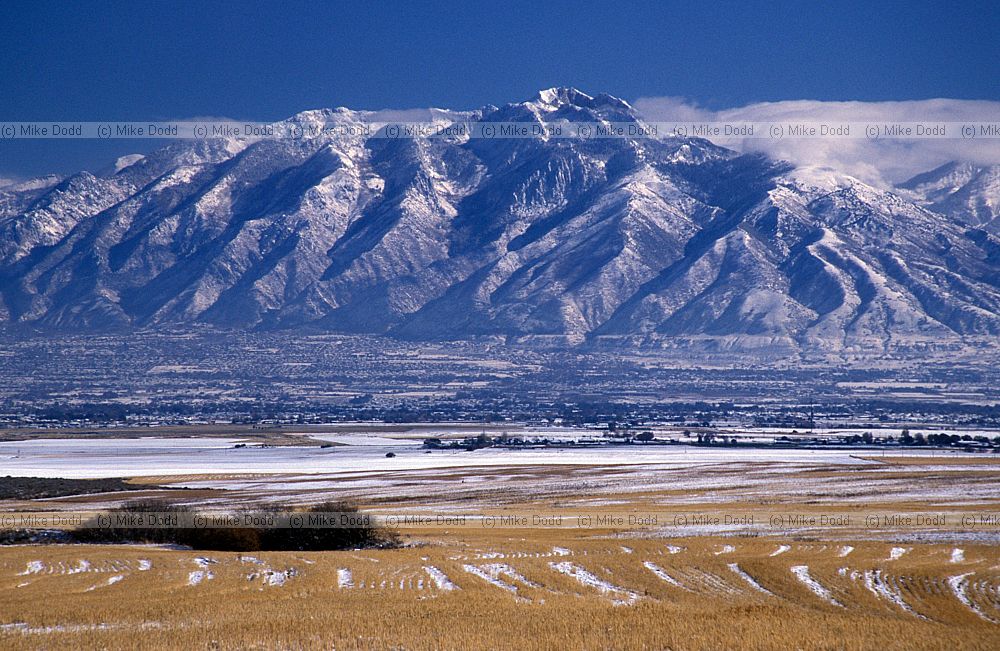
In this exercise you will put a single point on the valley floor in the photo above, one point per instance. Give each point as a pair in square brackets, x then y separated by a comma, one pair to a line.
[743, 554]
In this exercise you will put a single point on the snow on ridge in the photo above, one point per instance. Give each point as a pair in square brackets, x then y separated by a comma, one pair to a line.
[662, 575]
[749, 579]
[587, 578]
[490, 577]
[879, 585]
[959, 585]
[801, 572]
[440, 579]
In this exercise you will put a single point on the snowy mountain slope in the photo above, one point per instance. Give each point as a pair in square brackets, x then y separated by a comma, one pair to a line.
[963, 190]
[607, 241]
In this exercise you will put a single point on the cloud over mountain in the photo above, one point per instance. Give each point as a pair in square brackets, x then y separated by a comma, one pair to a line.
[883, 162]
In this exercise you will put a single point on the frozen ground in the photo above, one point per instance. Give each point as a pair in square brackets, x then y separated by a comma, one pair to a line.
[114, 457]
[614, 478]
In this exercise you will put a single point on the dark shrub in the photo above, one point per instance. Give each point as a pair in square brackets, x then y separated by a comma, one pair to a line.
[346, 528]
[328, 526]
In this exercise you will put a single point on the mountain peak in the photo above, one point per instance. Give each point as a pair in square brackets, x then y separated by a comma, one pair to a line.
[560, 96]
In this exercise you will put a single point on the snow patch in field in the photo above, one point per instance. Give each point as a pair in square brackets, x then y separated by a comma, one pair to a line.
[81, 566]
[959, 585]
[879, 586]
[845, 550]
[345, 579]
[440, 579]
[726, 549]
[145, 564]
[111, 581]
[780, 550]
[33, 567]
[561, 551]
[749, 579]
[662, 575]
[490, 578]
[196, 577]
[492, 572]
[510, 572]
[622, 597]
[897, 552]
[274, 578]
[801, 572]
[957, 555]
[26, 629]
[22, 627]
[674, 549]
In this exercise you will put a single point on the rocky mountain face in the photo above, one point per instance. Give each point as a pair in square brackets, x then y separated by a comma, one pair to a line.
[650, 242]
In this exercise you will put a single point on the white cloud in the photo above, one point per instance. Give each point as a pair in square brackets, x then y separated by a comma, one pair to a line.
[881, 162]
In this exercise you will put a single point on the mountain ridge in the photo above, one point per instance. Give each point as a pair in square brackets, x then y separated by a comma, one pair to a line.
[648, 242]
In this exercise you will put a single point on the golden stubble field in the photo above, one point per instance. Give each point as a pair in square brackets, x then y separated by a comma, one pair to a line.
[537, 590]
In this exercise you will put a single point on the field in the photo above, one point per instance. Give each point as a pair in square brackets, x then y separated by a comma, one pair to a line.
[744, 553]
[498, 592]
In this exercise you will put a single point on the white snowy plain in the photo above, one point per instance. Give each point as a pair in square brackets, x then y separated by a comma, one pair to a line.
[116, 457]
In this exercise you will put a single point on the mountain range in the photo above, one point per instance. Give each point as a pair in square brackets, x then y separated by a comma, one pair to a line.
[614, 241]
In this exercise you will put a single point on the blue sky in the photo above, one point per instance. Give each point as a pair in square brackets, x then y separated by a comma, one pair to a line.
[142, 61]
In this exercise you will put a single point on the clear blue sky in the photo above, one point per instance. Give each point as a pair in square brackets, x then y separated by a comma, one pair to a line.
[140, 60]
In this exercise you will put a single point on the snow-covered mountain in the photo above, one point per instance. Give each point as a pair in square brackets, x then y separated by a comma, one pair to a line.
[608, 241]
[963, 190]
